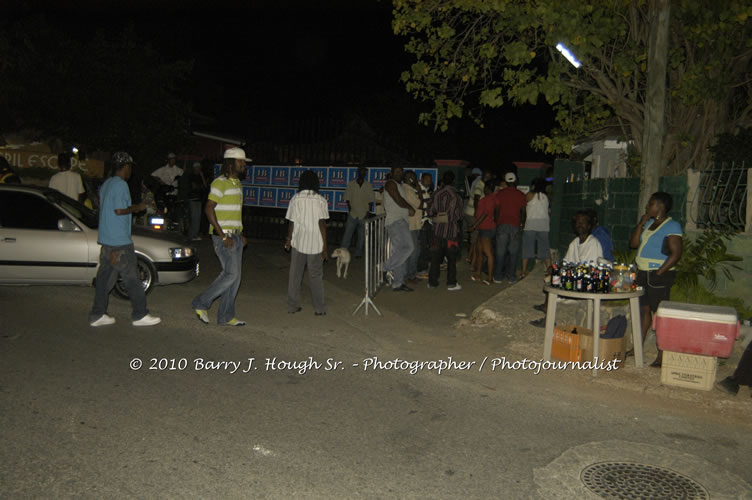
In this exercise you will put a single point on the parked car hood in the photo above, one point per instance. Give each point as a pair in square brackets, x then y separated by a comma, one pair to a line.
[172, 237]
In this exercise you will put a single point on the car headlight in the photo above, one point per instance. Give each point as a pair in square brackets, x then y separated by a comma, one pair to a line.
[181, 252]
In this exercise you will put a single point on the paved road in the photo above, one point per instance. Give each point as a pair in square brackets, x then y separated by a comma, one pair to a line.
[77, 420]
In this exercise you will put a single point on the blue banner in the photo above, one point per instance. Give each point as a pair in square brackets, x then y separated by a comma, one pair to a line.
[329, 195]
[262, 175]
[284, 195]
[250, 195]
[340, 205]
[268, 197]
[280, 176]
[337, 177]
[377, 176]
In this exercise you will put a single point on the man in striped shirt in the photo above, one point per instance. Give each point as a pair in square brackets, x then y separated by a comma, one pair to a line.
[446, 207]
[224, 211]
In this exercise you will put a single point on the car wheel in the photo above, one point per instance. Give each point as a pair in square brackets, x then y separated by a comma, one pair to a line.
[146, 273]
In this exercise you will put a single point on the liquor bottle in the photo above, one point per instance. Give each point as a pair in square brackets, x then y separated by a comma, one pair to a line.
[555, 276]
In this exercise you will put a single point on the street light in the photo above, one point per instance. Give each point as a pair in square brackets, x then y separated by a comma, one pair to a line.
[566, 53]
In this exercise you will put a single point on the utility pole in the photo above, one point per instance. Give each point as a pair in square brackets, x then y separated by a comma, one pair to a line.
[655, 100]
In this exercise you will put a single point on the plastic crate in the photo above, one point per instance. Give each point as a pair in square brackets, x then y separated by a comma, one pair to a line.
[565, 345]
[696, 329]
[688, 370]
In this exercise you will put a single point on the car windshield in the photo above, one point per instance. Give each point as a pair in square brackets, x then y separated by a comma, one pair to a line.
[73, 207]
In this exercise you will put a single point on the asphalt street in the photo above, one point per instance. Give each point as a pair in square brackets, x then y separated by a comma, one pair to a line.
[175, 411]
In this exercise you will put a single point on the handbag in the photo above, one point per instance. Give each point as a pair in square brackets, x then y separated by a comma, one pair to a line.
[441, 218]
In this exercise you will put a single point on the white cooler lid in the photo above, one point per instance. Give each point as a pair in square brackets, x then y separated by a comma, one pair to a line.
[697, 312]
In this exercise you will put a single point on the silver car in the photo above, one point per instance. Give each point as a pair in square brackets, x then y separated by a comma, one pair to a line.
[48, 238]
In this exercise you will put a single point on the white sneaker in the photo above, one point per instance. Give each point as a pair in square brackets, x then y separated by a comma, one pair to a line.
[147, 320]
[455, 288]
[103, 320]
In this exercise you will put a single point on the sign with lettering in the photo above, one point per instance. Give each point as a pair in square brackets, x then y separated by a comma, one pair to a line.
[250, 195]
[295, 173]
[284, 195]
[340, 205]
[329, 195]
[377, 176]
[280, 176]
[262, 175]
[268, 197]
[337, 177]
[322, 173]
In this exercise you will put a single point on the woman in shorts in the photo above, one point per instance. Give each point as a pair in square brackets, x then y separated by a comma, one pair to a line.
[485, 223]
[658, 239]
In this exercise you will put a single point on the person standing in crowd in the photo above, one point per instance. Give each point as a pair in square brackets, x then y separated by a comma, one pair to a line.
[397, 212]
[446, 209]
[535, 235]
[414, 222]
[426, 231]
[306, 240]
[658, 240]
[603, 236]
[224, 209]
[475, 194]
[168, 174]
[196, 194]
[583, 248]
[67, 181]
[485, 223]
[117, 256]
[511, 203]
[358, 195]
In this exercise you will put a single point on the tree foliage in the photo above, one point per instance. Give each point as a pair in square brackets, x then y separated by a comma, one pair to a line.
[475, 55]
[108, 92]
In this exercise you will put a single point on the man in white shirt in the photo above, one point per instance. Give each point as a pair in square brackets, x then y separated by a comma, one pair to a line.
[306, 240]
[66, 181]
[168, 174]
[585, 247]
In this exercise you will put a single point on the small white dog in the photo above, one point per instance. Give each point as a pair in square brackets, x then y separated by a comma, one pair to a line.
[343, 259]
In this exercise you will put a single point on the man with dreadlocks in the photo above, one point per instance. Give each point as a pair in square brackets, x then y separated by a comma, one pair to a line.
[224, 209]
[306, 241]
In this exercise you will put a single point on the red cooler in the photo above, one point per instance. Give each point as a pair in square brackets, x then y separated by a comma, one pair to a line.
[696, 329]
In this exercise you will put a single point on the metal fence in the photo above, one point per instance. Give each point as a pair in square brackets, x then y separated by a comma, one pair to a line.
[720, 201]
[377, 252]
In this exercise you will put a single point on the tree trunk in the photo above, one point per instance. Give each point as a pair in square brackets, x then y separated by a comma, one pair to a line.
[655, 100]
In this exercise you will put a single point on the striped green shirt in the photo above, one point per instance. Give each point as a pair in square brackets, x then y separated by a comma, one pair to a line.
[228, 194]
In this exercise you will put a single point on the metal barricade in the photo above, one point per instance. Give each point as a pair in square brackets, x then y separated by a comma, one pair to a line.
[377, 252]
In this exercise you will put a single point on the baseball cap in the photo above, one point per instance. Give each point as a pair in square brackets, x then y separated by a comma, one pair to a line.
[171, 156]
[237, 154]
[510, 177]
[477, 171]
[121, 158]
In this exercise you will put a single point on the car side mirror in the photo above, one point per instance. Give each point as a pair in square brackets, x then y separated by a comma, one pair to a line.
[67, 225]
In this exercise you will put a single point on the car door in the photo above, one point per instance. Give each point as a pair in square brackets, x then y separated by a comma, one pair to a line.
[35, 247]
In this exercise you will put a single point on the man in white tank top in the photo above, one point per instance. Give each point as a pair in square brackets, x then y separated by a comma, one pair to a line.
[397, 212]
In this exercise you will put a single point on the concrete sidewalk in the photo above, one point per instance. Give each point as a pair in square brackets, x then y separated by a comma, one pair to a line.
[509, 312]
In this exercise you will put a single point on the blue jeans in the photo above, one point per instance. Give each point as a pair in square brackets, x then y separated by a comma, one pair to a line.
[402, 246]
[227, 283]
[350, 226]
[126, 267]
[507, 251]
[412, 261]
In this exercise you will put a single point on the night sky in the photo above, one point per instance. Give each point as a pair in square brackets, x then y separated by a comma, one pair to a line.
[295, 59]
